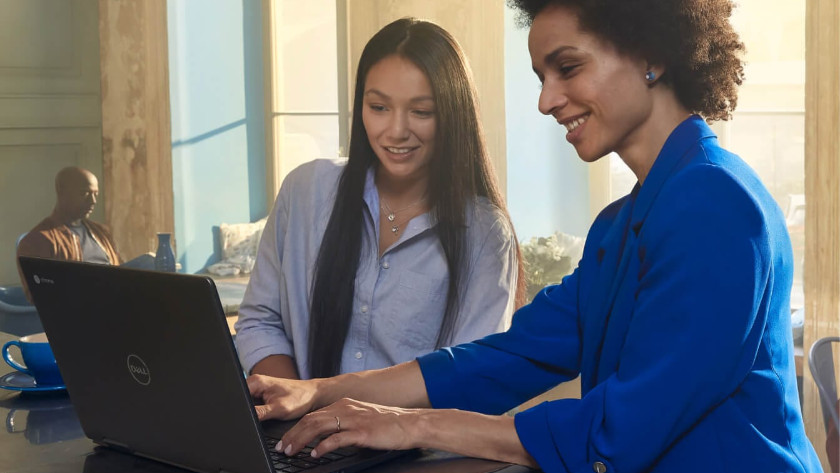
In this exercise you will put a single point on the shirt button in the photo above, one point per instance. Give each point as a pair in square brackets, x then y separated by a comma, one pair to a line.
[364, 309]
[359, 356]
[599, 467]
[385, 265]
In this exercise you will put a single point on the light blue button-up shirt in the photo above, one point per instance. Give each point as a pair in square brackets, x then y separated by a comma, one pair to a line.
[400, 297]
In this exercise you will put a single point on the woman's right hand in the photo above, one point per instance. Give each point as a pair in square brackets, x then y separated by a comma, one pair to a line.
[282, 398]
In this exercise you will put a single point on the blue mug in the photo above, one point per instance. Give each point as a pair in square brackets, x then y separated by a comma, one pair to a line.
[38, 359]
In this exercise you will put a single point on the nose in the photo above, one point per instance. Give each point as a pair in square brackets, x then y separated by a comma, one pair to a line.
[552, 98]
[398, 127]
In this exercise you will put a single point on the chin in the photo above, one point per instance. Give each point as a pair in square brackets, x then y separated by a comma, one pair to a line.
[590, 157]
[403, 171]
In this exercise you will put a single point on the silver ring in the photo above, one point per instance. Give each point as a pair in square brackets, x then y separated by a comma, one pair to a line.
[337, 424]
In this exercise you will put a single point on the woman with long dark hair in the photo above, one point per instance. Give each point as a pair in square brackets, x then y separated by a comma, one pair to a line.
[404, 247]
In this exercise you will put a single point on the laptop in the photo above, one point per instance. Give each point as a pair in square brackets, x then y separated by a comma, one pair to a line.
[151, 370]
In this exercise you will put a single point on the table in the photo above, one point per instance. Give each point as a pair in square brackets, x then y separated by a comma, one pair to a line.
[43, 435]
[231, 291]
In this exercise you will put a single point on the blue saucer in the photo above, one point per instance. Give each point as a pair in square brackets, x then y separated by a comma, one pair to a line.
[17, 381]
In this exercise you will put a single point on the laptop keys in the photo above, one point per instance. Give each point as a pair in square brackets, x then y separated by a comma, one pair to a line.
[303, 460]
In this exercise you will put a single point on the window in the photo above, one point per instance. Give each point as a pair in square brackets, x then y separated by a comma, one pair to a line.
[303, 113]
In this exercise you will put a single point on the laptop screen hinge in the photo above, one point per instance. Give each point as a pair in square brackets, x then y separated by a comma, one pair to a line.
[115, 445]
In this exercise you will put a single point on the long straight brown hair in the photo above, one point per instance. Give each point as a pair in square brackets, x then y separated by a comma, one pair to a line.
[459, 172]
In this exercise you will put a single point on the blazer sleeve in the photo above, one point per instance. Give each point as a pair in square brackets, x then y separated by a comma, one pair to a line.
[492, 375]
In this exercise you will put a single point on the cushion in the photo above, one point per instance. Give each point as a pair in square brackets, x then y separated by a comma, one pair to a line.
[239, 243]
[240, 239]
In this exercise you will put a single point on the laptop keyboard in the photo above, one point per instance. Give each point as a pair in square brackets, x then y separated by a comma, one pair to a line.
[302, 460]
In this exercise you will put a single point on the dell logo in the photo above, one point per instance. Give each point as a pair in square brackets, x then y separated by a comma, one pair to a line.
[138, 370]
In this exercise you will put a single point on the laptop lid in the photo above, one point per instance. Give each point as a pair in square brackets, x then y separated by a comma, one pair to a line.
[148, 363]
[151, 368]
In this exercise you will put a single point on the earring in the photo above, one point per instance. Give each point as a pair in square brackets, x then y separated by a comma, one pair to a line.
[650, 76]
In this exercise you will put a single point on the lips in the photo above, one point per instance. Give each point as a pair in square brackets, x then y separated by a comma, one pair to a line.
[399, 154]
[396, 150]
[574, 126]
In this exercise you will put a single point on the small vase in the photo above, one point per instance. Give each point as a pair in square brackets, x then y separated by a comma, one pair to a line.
[164, 256]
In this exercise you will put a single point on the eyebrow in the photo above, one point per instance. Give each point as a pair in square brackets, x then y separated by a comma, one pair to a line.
[552, 56]
[421, 98]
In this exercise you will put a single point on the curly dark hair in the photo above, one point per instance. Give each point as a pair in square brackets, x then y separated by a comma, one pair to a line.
[692, 39]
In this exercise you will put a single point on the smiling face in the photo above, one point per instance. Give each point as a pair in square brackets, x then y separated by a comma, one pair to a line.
[600, 96]
[400, 119]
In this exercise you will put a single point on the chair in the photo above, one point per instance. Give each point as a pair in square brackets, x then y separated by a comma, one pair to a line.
[17, 315]
[19, 238]
[821, 363]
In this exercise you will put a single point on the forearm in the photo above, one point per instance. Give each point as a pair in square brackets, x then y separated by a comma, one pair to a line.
[399, 386]
[278, 366]
[470, 434]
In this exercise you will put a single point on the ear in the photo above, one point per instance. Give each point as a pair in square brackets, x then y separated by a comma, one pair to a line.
[653, 72]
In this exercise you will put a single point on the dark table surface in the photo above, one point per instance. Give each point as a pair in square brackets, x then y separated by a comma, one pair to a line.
[42, 435]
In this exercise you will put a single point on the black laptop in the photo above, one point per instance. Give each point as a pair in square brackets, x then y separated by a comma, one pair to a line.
[151, 370]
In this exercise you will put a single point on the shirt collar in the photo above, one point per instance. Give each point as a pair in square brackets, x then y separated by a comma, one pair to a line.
[418, 225]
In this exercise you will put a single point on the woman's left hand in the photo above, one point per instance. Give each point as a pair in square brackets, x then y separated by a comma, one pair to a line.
[349, 422]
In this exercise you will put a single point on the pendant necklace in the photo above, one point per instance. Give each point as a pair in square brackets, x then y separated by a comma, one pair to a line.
[391, 215]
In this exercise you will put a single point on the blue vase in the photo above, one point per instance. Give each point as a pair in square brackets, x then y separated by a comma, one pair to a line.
[164, 256]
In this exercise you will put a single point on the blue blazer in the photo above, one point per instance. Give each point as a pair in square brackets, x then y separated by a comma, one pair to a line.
[677, 319]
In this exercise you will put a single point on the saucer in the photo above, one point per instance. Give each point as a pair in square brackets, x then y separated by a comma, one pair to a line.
[17, 381]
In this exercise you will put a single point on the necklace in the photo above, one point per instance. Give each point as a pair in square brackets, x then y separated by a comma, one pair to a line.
[391, 215]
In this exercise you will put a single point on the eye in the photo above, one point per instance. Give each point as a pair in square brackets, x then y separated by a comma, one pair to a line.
[424, 113]
[566, 70]
[376, 107]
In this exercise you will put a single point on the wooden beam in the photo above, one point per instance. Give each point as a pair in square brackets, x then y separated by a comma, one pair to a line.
[136, 137]
[822, 194]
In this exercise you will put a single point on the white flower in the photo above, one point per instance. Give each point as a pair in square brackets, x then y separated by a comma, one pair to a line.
[548, 259]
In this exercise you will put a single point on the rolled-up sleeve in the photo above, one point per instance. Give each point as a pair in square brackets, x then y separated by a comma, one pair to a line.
[259, 329]
[488, 298]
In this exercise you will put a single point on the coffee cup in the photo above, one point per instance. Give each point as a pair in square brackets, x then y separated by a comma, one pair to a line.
[38, 359]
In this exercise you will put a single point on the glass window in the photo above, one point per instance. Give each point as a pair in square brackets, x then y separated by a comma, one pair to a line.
[304, 113]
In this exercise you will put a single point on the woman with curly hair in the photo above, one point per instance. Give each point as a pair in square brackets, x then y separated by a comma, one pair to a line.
[677, 318]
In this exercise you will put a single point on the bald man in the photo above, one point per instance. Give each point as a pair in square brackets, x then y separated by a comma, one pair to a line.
[68, 233]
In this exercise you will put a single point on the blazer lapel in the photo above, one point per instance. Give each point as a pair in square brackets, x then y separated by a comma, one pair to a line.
[612, 265]
[619, 245]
